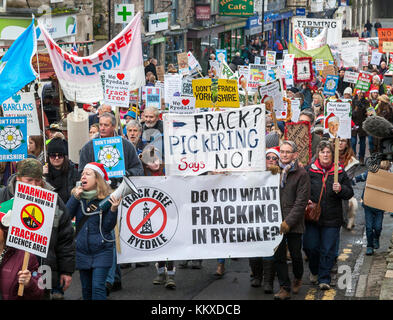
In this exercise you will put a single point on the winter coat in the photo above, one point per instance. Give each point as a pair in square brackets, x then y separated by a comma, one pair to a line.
[92, 251]
[69, 180]
[294, 198]
[331, 202]
[61, 253]
[359, 114]
[9, 268]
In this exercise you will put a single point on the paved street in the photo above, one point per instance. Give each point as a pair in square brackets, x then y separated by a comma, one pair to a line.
[366, 275]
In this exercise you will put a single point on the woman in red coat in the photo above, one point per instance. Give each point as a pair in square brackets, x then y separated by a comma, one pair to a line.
[11, 275]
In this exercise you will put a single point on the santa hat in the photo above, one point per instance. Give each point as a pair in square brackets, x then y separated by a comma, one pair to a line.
[331, 117]
[275, 150]
[99, 168]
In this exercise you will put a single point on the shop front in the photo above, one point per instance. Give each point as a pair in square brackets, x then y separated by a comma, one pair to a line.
[232, 38]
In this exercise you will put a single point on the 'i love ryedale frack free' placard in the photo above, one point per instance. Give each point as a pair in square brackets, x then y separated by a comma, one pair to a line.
[117, 88]
[33, 211]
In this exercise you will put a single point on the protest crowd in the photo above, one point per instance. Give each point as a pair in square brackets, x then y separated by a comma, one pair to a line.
[314, 145]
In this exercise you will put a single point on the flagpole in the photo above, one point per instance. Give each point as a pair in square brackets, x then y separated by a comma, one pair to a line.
[42, 102]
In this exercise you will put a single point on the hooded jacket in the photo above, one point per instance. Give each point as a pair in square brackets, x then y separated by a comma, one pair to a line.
[61, 253]
[331, 202]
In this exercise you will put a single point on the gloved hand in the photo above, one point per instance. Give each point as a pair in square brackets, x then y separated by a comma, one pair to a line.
[284, 228]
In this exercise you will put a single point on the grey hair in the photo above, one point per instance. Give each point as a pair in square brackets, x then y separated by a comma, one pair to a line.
[134, 123]
[291, 144]
[111, 116]
[153, 109]
[308, 113]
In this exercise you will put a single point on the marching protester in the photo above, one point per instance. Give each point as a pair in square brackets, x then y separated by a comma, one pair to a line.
[321, 235]
[61, 253]
[134, 134]
[94, 241]
[36, 148]
[294, 195]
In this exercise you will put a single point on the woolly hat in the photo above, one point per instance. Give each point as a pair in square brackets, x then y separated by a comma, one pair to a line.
[275, 150]
[57, 146]
[99, 168]
[348, 90]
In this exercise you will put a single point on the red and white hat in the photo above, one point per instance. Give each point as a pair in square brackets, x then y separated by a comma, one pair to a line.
[99, 168]
[275, 150]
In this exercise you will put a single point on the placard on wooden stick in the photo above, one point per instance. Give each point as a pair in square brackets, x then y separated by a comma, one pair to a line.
[300, 133]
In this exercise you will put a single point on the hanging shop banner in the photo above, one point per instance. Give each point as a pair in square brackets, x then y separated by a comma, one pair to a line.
[158, 21]
[236, 8]
[303, 42]
[109, 152]
[202, 92]
[331, 84]
[23, 104]
[182, 105]
[364, 81]
[202, 217]
[153, 97]
[79, 76]
[215, 141]
[257, 76]
[300, 133]
[228, 94]
[33, 211]
[13, 138]
[117, 88]
[311, 27]
[337, 119]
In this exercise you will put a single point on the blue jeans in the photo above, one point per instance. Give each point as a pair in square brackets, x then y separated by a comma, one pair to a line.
[374, 219]
[320, 245]
[362, 145]
[114, 273]
[93, 283]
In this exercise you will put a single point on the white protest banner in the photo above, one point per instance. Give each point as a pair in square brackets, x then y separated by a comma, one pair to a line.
[182, 105]
[337, 119]
[257, 76]
[295, 108]
[201, 217]
[303, 42]
[350, 52]
[215, 68]
[376, 57]
[288, 69]
[32, 217]
[23, 104]
[117, 88]
[79, 76]
[193, 62]
[172, 86]
[351, 77]
[311, 27]
[272, 96]
[215, 141]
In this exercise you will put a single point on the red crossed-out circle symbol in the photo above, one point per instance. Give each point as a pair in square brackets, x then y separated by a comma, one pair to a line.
[153, 211]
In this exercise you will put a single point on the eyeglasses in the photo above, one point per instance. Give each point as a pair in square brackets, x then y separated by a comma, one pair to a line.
[271, 158]
[56, 155]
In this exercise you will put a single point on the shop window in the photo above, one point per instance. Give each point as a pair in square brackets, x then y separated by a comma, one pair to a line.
[174, 45]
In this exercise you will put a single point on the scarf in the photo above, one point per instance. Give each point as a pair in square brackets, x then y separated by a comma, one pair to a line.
[286, 169]
[89, 195]
[58, 179]
[324, 168]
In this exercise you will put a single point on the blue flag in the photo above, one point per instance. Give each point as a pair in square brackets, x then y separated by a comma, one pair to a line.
[16, 69]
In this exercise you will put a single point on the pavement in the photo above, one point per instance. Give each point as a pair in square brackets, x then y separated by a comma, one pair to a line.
[359, 277]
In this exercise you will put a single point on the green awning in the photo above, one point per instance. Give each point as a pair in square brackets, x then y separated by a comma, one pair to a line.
[320, 53]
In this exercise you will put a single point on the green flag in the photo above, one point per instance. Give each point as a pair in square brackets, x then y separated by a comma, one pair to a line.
[320, 53]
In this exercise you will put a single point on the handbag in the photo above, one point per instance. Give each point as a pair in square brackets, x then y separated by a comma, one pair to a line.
[313, 210]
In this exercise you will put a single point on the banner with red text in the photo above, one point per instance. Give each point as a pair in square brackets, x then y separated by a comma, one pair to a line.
[79, 77]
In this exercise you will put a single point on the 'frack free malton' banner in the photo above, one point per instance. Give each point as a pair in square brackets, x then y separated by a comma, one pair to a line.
[79, 76]
[215, 141]
[203, 217]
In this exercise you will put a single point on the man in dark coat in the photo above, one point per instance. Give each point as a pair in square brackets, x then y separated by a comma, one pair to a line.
[152, 67]
[294, 195]
[61, 253]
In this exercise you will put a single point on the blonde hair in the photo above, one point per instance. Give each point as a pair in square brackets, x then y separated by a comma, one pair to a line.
[103, 188]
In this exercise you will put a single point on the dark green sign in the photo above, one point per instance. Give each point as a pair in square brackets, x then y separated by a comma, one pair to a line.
[242, 8]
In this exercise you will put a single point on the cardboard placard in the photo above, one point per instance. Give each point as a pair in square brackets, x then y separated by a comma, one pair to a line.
[182, 61]
[329, 70]
[300, 133]
[379, 190]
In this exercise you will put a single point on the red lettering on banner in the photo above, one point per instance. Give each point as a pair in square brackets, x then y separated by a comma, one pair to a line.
[67, 58]
[58, 49]
[85, 61]
[100, 55]
[111, 49]
[74, 61]
[51, 45]
[128, 36]
[120, 43]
